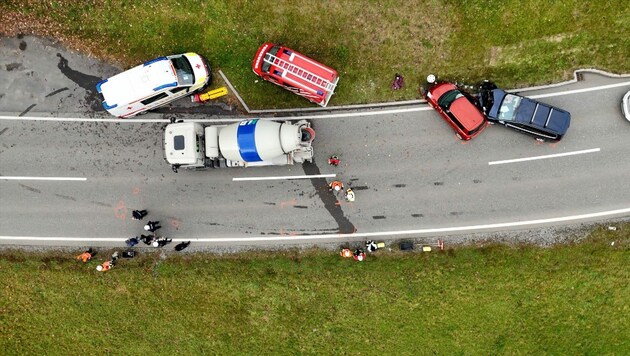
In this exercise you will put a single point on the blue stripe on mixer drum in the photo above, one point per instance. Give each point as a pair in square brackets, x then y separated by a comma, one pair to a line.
[247, 141]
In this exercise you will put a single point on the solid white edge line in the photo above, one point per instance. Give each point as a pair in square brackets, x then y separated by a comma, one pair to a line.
[577, 91]
[322, 116]
[470, 228]
[544, 157]
[285, 177]
[42, 178]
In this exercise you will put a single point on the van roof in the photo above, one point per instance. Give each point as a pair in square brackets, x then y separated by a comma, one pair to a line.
[138, 82]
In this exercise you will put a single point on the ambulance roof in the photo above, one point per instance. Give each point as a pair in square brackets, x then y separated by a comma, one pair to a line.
[138, 82]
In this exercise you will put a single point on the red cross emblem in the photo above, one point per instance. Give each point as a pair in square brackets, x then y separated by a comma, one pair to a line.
[129, 107]
[198, 66]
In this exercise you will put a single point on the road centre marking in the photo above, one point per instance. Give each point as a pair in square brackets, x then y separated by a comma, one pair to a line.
[592, 150]
[471, 228]
[43, 178]
[284, 177]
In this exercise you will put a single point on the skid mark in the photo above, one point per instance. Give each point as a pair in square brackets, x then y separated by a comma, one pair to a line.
[56, 92]
[400, 185]
[288, 203]
[101, 204]
[65, 197]
[269, 203]
[30, 188]
[27, 110]
[361, 187]
[417, 215]
[4, 130]
[379, 217]
[300, 206]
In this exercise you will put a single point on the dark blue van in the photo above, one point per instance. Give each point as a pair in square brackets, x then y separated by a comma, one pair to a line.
[544, 122]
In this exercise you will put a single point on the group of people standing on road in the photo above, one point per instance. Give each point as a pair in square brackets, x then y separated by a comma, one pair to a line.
[336, 186]
[151, 240]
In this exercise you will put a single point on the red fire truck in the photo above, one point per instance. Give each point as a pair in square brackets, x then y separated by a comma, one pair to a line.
[295, 72]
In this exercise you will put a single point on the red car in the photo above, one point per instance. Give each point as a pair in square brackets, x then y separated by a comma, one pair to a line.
[458, 109]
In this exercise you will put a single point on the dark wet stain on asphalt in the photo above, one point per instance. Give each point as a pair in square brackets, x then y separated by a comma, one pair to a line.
[13, 66]
[378, 217]
[56, 92]
[85, 81]
[27, 110]
[22, 46]
[400, 185]
[417, 215]
[456, 213]
[438, 183]
[329, 199]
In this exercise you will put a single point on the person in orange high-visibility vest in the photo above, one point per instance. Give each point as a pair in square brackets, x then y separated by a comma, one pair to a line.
[105, 266]
[335, 186]
[346, 252]
[86, 256]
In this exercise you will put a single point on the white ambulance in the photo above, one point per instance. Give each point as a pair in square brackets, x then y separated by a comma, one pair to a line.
[154, 83]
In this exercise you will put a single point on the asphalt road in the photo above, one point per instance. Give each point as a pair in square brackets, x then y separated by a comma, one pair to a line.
[408, 170]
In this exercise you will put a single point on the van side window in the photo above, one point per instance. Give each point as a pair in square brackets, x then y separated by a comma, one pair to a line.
[154, 98]
[177, 90]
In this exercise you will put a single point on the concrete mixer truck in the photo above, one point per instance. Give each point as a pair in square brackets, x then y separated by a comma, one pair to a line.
[244, 144]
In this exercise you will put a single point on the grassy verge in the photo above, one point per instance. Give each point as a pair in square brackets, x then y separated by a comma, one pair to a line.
[514, 42]
[569, 299]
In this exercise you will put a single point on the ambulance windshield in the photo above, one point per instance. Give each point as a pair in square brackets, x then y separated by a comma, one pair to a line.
[185, 75]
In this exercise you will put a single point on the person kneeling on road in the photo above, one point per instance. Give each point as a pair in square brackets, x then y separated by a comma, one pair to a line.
[350, 195]
[161, 242]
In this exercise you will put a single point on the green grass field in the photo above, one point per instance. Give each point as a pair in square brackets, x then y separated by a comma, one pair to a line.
[484, 299]
[514, 42]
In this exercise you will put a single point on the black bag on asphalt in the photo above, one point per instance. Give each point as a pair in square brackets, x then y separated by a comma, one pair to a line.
[406, 246]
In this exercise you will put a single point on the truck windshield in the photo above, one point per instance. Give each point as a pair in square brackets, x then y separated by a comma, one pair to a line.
[448, 98]
[269, 59]
[185, 75]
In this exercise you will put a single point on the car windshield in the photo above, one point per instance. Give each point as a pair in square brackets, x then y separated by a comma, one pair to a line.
[510, 103]
[448, 98]
[185, 75]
